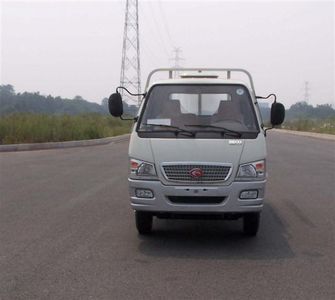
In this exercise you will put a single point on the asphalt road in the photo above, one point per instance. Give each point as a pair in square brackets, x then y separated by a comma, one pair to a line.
[67, 231]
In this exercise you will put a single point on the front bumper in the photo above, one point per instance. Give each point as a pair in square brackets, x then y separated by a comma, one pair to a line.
[230, 193]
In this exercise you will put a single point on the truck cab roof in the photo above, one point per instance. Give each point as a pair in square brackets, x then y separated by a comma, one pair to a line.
[201, 80]
[201, 76]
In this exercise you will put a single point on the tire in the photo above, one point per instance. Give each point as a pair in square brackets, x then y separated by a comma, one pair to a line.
[251, 223]
[143, 222]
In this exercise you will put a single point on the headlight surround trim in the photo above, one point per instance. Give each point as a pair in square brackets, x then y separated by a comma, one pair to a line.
[252, 171]
[140, 169]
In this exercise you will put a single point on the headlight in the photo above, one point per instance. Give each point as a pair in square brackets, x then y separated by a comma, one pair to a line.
[252, 171]
[142, 169]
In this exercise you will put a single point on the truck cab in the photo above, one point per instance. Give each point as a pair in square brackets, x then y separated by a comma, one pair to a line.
[197, 148]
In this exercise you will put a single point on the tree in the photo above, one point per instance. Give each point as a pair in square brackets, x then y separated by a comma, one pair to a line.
[300, 110]
[104, 104]
[78, 98]
[10, 102]
[324, 111]
[6, 90]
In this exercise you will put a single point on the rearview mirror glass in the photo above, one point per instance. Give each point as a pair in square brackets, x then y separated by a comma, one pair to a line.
[277, 113]
[115, 105]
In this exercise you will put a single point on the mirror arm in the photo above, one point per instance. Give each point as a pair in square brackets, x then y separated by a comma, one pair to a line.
[121, 87]
[266, 129]
[141, 94]
[267, 97]
[275, 101]
[129, 119]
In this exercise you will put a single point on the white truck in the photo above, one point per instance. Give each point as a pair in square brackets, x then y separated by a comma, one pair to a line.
[197, 148]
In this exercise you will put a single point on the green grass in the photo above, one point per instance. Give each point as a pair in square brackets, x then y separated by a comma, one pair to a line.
[38, 128]
[320, 126]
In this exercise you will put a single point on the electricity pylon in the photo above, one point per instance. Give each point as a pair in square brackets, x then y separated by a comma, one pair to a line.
[306, 92]
[177, 58]
[130, 68]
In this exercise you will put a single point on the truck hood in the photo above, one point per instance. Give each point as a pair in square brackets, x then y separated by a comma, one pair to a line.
[231, 151]
[197, 151]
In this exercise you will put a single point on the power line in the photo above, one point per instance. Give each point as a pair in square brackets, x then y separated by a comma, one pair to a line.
[154, 34]
[147, 37]
[148, 51]
[157, 27]
[166, 26]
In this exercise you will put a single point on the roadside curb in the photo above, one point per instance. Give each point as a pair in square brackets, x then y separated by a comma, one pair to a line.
[62, 145]
[323, 136]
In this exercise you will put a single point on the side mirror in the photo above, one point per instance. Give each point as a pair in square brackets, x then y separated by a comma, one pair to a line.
[115, 105]
[277, 113]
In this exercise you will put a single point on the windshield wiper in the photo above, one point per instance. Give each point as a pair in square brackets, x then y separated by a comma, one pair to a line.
[177, 129]
[224, 130]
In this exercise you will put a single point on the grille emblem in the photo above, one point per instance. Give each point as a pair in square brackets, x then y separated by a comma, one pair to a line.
[196, 173]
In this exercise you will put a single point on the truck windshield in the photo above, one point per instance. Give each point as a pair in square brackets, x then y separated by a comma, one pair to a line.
[209, 110]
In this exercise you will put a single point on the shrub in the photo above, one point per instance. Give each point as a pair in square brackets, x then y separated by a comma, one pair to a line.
[36, 128]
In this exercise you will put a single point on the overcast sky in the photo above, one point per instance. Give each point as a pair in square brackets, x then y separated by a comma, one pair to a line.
[70, 48]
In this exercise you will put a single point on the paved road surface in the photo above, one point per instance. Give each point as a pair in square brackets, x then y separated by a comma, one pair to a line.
[67, 232]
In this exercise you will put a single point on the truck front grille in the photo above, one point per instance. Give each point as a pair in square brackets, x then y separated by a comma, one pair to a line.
[208, 172]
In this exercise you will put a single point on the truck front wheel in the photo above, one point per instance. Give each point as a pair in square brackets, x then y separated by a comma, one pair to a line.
[143, 222]
[251, 223]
